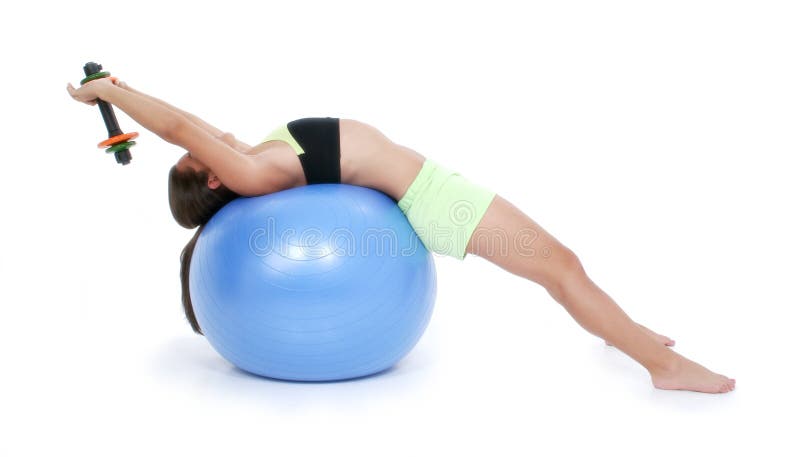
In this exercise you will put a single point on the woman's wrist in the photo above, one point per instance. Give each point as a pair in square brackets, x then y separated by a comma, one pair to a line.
[104, 90]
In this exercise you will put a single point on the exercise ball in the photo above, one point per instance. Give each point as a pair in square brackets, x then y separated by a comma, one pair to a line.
[315, 283]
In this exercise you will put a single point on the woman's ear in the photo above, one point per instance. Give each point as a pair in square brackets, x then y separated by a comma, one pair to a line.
[213, 182]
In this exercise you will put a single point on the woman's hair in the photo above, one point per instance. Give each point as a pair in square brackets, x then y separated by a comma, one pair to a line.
[192, 204]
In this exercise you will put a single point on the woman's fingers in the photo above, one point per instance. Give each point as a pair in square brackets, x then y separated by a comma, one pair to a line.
[73, 92]
[118, 82]
[77, 95]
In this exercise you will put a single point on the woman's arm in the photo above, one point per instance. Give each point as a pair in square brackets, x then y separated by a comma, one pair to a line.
[238, 145]
[239, 172]
[150, 115]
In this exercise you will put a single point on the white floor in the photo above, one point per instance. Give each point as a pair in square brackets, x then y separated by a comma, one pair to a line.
[503, 372]
[658, 142]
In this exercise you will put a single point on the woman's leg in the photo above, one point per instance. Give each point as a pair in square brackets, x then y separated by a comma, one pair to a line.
[511, 240]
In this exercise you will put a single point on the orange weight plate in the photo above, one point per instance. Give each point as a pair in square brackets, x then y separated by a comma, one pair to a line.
[117, 139]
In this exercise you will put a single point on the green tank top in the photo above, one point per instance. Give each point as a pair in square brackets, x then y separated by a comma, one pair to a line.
[282, 133]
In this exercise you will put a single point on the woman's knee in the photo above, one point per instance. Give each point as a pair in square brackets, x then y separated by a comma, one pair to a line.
[563, 267]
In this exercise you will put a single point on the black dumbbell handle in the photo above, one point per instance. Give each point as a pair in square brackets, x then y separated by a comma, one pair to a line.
[109, 118]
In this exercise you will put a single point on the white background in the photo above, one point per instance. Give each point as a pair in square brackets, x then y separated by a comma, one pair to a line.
[658, 140]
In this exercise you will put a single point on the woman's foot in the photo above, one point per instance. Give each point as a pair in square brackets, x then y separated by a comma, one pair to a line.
[659, 338]
[683, 374]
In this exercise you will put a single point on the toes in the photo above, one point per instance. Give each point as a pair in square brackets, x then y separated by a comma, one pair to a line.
[727, 386]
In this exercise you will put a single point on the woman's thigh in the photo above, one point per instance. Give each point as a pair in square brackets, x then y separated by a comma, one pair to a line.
[509, 238]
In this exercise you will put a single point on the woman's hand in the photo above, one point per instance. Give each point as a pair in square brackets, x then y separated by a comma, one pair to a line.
[90, 92]
[119, 83]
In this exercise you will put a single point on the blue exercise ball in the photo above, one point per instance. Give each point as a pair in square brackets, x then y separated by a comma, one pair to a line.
[316, 283]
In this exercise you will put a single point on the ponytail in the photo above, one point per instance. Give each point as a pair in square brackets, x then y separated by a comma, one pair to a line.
[186, 299]
[192, 204]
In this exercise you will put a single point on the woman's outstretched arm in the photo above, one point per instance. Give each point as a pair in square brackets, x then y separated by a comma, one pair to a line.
[239, 172]
[214, 131]
[151, 115]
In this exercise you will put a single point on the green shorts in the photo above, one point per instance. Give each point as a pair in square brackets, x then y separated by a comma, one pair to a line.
[444, 208]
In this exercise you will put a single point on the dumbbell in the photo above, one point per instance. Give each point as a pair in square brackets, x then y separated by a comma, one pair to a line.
[117, 143]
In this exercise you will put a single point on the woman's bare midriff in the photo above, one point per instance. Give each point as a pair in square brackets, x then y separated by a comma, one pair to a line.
[368, 159]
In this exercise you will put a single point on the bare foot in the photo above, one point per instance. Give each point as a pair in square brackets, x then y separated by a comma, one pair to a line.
[687, 375]
[659, 338]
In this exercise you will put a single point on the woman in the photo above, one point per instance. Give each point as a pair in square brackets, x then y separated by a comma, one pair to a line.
[217, 168]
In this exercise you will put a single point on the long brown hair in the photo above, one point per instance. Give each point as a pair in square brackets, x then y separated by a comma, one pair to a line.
[192, 204]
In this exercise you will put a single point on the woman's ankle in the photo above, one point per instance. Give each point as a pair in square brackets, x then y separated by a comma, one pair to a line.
[667, 362]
